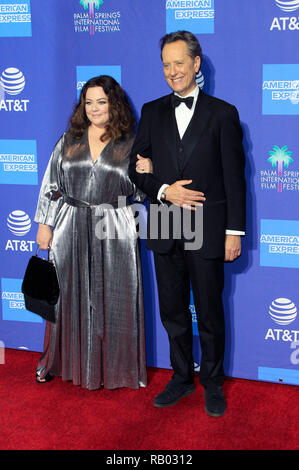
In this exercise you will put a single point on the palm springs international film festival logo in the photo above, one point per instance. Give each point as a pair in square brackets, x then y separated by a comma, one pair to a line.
[286, 22]
[280, 177]
[95, 18]
[15, 18]
[12, 83]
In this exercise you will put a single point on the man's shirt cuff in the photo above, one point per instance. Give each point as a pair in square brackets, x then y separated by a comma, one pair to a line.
[234, 232]
[164, 186]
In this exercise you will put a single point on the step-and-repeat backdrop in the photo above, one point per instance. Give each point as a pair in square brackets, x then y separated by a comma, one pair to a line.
[49, 49]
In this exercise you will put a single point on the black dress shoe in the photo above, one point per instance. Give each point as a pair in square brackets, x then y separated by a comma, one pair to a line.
[45, 379]
[215, 401]
[172, 394]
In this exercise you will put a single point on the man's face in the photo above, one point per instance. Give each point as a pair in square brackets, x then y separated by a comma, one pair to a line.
[179, 68]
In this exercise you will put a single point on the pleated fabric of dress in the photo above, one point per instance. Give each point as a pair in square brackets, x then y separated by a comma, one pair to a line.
[98, 338]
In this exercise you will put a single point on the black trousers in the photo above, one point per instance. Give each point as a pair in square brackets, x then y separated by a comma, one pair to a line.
[174, 272]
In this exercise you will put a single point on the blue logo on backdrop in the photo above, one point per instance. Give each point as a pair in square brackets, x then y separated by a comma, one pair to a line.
[18, 162]
[196, 16]
[281, 89]
[96, 19]
[286, 23]
[200, 80]
[13, 305]
[283, 311]
[279, 243]
[287, 5]
[19, 224]
[12, 83]
[85, 72]
[15, 18]
[280, 177]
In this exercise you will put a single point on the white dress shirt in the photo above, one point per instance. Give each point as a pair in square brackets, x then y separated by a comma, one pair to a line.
[183, 117]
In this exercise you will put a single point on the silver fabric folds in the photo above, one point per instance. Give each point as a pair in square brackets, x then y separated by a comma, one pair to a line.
[98, 338]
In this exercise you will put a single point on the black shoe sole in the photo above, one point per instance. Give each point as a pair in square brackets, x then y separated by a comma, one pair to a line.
[212, 413]
[160, 405]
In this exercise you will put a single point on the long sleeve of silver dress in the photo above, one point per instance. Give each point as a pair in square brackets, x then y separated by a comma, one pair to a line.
[98, 338]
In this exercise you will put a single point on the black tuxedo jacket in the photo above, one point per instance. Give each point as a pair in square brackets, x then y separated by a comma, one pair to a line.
[214, 160]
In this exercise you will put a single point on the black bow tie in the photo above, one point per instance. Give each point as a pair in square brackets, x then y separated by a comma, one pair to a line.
[176, 101]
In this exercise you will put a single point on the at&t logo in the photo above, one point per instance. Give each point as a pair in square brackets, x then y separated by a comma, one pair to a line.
[283, 312]
[287, 5]
[19, 224]
[12, 83]
[200, 80]
[283, 23]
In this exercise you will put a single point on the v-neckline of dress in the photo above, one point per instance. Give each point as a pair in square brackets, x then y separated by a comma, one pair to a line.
[89, 150]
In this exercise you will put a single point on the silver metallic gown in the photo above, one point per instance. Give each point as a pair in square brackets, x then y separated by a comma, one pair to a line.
[98, 338]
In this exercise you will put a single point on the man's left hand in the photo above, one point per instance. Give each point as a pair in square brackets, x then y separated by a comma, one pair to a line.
[232, 247]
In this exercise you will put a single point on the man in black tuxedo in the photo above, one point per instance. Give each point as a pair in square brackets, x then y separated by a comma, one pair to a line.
[195, 146]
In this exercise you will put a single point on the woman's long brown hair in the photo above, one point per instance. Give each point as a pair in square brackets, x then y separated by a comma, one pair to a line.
[121, 120]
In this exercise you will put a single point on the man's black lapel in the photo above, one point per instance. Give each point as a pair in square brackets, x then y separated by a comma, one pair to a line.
[169, 129]
[196, 126]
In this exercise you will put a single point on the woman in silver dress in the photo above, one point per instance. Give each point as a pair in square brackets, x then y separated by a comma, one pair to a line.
[98, 337]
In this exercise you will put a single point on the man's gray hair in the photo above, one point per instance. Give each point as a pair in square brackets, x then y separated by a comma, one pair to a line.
[194, 47]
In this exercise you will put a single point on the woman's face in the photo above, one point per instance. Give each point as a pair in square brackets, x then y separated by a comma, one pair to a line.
[97, 107]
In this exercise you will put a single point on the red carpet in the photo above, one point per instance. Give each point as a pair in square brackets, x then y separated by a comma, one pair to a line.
[59, 415]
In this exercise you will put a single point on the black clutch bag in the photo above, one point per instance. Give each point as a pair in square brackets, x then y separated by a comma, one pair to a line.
[40, 287]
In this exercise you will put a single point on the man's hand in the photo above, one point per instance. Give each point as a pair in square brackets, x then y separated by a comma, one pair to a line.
[232, 247]
[183, 197]
[144, 165]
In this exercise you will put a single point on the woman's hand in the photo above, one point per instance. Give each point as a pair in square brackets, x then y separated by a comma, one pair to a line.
[44, 237]
[144, 165]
